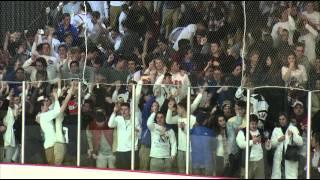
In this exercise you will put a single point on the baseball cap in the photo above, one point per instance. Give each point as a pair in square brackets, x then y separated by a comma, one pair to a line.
[297, 103]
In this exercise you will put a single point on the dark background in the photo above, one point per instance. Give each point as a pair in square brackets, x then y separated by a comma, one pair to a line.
[23, 15]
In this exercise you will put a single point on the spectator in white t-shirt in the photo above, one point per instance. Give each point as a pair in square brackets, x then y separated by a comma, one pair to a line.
[163, 143]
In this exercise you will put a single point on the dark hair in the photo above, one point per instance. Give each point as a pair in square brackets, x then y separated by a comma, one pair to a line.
[299, 44]
[125, 7]
[100, 115]
[96, 14]
[253, 118]
[291, 53]
[88, 7]
[126, 104]
[40, 46]
[183, 103]
[316, 136]
[90, 102]
[216, 123]
[42, 61]
[241, 104]
[167, 74]
[284, 114]
[155, 118]
[63, 46]
[20, 69]
[65, 15]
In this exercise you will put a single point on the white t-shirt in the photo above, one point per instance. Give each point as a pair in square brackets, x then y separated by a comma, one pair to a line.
[163, 142]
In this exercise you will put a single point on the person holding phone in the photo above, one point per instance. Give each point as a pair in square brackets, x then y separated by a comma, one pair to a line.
[256, 141]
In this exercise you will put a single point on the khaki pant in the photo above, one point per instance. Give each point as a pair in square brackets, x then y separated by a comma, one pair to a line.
[160, 165]
[59, 153]
[144, 155]
[55, 155]
[256, 169]
[50, 155]
[1, 154]
[9, 152]
[106, 161]
[181, 162]
[114, 13]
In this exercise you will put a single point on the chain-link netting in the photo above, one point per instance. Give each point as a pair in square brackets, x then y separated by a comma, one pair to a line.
[171, 67]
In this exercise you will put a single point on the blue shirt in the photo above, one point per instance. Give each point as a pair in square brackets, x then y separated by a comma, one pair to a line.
[203, 145]
[72, 29]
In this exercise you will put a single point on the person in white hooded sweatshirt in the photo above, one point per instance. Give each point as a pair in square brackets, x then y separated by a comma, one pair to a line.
[282, 137]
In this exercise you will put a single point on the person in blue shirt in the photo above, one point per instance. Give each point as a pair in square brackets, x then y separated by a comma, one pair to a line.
[203, 146]
[64, 27]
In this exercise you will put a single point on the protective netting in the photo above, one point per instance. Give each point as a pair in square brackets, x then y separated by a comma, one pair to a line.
[220, 50]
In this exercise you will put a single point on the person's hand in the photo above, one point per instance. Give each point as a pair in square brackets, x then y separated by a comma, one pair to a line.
[148, 35]
[216, 63]
[110, 58]
[182, 125]
[116, 108]
[2, 129]
[290, 133]
[282, 138]
[256, 140]
[90, 152]
[21, 49]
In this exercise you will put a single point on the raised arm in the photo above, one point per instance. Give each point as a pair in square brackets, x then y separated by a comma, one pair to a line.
[113, 123]
[197, 101]
[169, 118]
[71, 91]
[150, 123]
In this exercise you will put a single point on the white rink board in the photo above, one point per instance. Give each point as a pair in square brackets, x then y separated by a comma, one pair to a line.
[43, 172]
